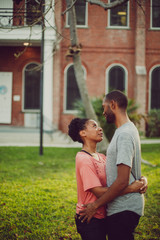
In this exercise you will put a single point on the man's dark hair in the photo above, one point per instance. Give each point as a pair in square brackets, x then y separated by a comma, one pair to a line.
[118, 97]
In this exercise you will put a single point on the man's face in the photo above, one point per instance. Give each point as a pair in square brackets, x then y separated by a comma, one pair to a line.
[107, 112]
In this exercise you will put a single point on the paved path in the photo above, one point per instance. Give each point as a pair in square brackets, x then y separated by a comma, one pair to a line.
[20, 136]
[150, 141]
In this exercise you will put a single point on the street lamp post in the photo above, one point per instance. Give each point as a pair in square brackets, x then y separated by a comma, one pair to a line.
[41, 86]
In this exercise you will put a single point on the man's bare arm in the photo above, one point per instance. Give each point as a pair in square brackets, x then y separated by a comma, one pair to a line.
[114, 190]
[137, 186]
[117, 187]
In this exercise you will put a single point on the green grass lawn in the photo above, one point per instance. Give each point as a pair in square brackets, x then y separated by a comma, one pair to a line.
[38, 194]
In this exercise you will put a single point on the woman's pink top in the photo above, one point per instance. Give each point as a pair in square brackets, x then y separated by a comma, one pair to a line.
[90, 173]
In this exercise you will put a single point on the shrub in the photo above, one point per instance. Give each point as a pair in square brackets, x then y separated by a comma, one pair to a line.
[108, 129]
[153, 123]
[132, 112]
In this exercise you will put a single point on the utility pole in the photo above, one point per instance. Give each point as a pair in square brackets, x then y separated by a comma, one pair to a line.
[41, 84]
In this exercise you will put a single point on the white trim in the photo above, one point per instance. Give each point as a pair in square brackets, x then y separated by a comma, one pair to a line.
[23, 85]
[120, 27]
[140, 70]
[86, 19]
[6, 7]
[151, 27]
[74, 112]
[150, 75]
[6, 96]
[65, 89]
[107, 76]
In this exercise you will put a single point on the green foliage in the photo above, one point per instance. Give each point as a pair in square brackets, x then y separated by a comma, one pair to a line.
[78, 106]
[38, 194]
[149, 226]
[132, 112]
[153, 123]
[108, 129]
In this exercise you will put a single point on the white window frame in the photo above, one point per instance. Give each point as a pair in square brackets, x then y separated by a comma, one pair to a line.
[150, 79]
[107, 76]
[151, 27]
[23, 91]
[65, 111]
[119, 27]
[86, 19]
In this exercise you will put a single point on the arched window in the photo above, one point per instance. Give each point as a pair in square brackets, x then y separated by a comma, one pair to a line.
[31, 87]
[155, 88]
[72, 93]
[116, 78]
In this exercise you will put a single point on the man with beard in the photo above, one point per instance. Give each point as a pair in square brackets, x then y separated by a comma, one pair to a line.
[123, 166]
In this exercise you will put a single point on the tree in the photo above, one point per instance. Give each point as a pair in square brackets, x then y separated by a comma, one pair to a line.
[79, 73]
[75, 51]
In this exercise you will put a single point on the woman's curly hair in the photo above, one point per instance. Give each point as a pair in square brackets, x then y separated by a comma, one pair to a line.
[75, 126]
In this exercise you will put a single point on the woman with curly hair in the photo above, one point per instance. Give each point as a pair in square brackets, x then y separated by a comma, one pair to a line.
[91, 177]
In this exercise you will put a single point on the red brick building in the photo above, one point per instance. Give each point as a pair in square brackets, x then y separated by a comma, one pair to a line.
[20, 45]
[120, 50]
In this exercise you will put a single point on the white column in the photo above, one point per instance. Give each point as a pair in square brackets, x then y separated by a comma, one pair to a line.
[49, 38]
[50, 14]
[48, 86]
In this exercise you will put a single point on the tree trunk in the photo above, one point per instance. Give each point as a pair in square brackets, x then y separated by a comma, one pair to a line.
[79, 73]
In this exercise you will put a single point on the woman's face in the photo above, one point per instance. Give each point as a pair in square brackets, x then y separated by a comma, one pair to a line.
[93, 131]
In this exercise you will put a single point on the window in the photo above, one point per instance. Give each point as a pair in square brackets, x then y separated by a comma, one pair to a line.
[6, 13]
[116, 78]
[155, 14]
[72, 93]
[155, 88]
[119, 16]
[81, 13]
[31, 87]
[33, 12]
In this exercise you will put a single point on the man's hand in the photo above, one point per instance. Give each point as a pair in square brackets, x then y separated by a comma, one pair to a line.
[88, 212]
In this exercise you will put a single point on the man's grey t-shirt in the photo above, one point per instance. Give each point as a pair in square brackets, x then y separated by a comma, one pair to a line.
[124, 148]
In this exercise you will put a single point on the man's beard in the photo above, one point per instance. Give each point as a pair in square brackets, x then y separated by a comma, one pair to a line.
[110, 116]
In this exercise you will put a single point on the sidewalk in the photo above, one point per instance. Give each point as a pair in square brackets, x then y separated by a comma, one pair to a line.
[21, 136]
[150, 141]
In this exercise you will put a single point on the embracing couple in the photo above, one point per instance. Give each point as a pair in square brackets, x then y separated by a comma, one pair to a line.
[110, 188]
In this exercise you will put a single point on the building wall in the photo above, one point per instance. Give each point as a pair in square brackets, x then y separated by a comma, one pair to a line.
[103, 46]
[152, 50]
[9, 63]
